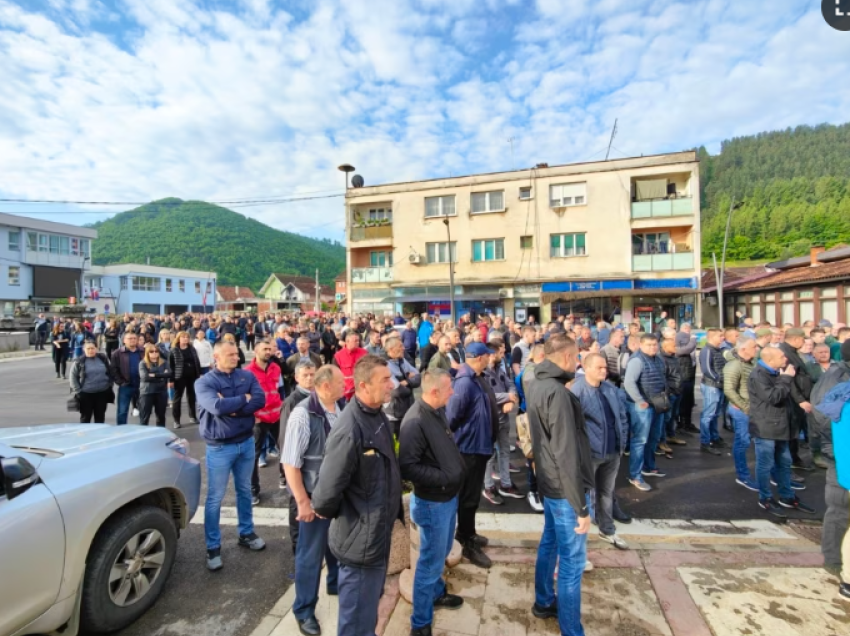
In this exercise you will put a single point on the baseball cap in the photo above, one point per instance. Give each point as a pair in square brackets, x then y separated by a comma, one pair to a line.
[763, 332]
[477, 349]
[825, 323]
[795, 332]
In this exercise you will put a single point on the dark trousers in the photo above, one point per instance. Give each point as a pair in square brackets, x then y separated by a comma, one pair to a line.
[60, 360]
[40, 339]
[93, 404]
[470, 495]
[360, 591]
[605, 472]
[686, 405]
[261, 431]
[312, 549]
[153, 403]
[187, 385]
[328, 354]
[532, 477]
[836, 518]
[249, 341]
[111, 346]
[294, 525]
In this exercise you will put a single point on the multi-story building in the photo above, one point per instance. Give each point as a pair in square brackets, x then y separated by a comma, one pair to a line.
[41, 262]
[613, 238]
[149, 289]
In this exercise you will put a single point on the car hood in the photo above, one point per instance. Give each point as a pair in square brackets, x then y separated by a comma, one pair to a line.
[68, 439]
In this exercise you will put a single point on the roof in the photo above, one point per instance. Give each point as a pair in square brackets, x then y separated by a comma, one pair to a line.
[341, 278]
[13, 220]
[230, 294]
[835, 253]
[826, 271]
[125, 269]
[306, 284]
[733, 277]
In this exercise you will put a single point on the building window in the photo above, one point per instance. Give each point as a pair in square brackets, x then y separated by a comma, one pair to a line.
[14, 241]
[84, 247]
[563, 245]
[146, 283]
[32, 241]
[209, 287]
[123, 282]
[168, 286]
[526, 242]
[54, 244]
[94, 283]
[440, 206]
[14, 276]
[567, 194]
[806, 293]
[381, 259]
[525, 193]
[64, 245]
[381, 214]
[488, 250]
[826, 292]
[181, 285]
[651, 243]
[197, 287]
[43, 243]
[488, 202]
[439, 252]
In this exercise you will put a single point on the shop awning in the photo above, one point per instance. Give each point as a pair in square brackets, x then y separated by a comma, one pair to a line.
[439, 299]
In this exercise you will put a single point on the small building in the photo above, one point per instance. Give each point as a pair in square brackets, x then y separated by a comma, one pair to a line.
[41, 262]
[148, 289]
[235, 299]
[288, 292]
[339, 288]
[814, 287]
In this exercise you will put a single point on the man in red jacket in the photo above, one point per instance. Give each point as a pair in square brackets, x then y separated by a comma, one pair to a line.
[346, 358]
[267, 419]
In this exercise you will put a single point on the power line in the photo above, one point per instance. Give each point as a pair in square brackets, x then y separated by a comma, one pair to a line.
[235, 202]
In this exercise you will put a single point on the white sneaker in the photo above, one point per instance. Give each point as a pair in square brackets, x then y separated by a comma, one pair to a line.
[588, 566]
[262, 463]
[614, 540]
[534, 501]
[135, 412]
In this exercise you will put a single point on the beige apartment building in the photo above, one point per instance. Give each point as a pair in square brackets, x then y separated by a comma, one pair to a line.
[616, 239]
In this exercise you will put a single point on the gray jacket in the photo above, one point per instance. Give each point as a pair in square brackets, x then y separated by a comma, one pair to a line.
[502, 387]
[154, 380]
[836, 374]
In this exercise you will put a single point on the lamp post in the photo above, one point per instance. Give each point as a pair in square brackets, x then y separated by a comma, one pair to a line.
[451, 272]
[346, 168]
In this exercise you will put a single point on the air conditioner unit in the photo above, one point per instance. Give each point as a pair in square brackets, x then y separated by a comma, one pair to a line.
[415, 259]
[506, 293]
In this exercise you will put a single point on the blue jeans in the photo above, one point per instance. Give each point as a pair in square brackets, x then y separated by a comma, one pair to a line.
[671, 418]
[436, 521]
[222, 459]
[560, 544]
[360, 592]
[126, 395]
[312, 547]
[712, 402]
[646, 430]
[772, 454]
[741, 423]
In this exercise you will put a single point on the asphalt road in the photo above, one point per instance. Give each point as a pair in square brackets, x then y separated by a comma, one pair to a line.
[233, 601]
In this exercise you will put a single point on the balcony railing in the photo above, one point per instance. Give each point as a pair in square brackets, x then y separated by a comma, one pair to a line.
[370, 233]
[32, 257]
[662, 208]
[662, 262]
[371, 275]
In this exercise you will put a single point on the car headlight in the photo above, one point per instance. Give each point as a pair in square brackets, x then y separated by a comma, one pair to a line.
[179, 445]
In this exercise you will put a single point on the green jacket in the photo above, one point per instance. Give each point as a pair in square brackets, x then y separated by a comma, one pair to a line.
[735, 376]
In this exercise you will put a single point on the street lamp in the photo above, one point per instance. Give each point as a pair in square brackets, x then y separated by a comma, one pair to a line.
[451, 271]
[346, 168]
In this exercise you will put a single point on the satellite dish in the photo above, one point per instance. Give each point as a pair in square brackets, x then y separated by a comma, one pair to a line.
[357, 181]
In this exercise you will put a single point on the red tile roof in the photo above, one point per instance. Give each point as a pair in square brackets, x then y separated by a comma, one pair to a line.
[826, 271]
[229, 294]
[733, 277]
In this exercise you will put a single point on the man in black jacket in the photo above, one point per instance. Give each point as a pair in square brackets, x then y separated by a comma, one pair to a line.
[430, 459]
[360, 489]
[771, 425]
[564, 476]
[801, 391]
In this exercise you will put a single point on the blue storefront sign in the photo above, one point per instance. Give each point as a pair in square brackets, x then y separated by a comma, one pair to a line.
[618, 285]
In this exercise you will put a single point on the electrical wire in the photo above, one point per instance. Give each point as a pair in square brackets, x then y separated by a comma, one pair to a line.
[235, 203]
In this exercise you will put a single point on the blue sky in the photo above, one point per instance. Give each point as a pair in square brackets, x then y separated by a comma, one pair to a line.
[133, 100]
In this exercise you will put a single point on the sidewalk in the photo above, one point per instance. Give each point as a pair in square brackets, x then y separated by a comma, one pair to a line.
[680, 578]
[8, 356]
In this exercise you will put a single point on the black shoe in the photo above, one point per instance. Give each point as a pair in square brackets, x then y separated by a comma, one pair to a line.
[492, 495]
[620, 516]
[800, 465]
[252, 542]
[770, 506]
[706, 448]
[309, 626]
[448, 601]
[719, 443]
[480, 540]
[796, 504]
[844, 589]
[421, 631]
[475, 556]
[545, 612]
[332, 591]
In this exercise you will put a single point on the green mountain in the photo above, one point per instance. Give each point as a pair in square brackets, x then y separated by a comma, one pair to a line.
[203, 236]
[794, 186]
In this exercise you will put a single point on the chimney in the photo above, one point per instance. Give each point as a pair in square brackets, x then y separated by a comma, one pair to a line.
[814, 253]
[237, 291]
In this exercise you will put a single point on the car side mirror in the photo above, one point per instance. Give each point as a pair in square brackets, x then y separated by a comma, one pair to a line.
[18, 476]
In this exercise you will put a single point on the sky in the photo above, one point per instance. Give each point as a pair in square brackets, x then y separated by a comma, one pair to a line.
[135, 100]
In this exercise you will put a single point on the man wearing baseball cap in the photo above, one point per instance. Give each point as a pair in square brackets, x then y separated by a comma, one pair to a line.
[473, 416]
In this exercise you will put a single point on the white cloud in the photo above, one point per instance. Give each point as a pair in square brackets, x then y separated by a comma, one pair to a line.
[152, 98]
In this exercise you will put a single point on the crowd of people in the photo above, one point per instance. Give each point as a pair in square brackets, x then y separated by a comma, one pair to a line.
[355, 407]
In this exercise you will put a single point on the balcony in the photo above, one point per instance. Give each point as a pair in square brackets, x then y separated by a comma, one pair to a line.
[371, 275]
[663, 262]
[662, 208]
[70, 261]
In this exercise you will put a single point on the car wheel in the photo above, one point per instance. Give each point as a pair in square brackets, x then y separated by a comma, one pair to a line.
[128, 565]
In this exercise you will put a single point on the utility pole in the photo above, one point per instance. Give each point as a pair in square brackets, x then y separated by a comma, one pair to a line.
[611, 141]
[513, 163]
[451, 272]
[318, 302]
[718, 281]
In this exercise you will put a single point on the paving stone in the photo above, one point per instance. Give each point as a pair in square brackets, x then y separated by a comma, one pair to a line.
[467, 580]
[510, 586]
[499, 620]
[465, 620]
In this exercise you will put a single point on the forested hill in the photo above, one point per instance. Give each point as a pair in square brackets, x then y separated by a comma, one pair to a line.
[202, 236]
[795, 188]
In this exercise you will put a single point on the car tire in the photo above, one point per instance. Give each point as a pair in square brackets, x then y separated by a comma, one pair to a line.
[99, 612]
